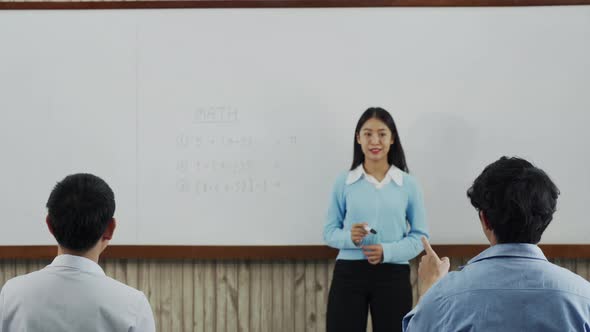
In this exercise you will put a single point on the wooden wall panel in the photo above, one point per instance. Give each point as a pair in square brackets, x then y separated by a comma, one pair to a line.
[228, 295]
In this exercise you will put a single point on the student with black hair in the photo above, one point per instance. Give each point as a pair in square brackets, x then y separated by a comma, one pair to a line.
[511, 286]
[372, 270]
[73, 293]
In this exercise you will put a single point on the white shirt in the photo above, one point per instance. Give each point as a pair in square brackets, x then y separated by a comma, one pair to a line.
[393, 173]
[72, 294]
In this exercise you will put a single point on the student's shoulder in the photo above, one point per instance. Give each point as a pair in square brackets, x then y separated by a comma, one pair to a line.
[121, 288]
[114, 291]
[569, 281]
[23, 280]
[11, 284]
[456, 284]
[23, 284]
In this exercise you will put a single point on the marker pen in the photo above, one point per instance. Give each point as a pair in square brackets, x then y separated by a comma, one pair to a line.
[370, 230]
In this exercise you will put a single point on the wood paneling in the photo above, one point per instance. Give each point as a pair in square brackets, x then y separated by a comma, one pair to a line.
[236, 295]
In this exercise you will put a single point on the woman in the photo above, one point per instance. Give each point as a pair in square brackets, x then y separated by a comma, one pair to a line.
[372, 269]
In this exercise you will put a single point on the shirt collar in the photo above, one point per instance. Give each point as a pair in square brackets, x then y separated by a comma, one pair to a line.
[77, 262]
[394, 173]
[522, 250]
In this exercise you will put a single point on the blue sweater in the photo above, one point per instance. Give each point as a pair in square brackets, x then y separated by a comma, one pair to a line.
[388, 210]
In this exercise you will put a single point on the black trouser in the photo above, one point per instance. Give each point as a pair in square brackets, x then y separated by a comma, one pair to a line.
[358, 286]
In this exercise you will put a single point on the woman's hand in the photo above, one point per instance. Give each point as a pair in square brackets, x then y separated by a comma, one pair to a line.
[374, 253]
[358, 232]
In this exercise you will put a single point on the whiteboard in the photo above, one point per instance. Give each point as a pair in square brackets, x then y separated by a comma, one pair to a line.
[229, 126]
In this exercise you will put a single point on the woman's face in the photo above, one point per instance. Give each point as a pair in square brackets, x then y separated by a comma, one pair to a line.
[375, 139]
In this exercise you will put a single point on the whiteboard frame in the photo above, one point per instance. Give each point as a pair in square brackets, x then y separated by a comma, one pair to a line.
[160, 4]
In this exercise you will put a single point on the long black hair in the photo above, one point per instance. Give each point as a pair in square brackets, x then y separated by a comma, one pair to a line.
[396, 155]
